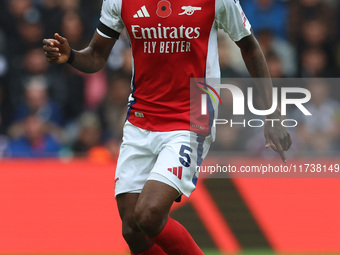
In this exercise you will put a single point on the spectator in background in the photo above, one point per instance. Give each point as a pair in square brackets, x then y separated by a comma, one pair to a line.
[65, 87]
[35, 141]
[5, 105]
[5, 109]
[95, 88]
[116, 57]
[3, 10]
[113, 110]
[316, 35]
[23, 27]
[275, 66]
[72, 27]
[126, 67]
[281, 48]
[34, 65]
[89, 134]
[319, 135]
[73, 6]
[51, 15]
[314, 63]
[267, 14]
[227, 70]
[337, 44]
[3, 53]
[87, 9]
[73, 103]
[302, 11]
[1, 107]
[312, 25]
[30, 32]
[234, 58]
[37, 101]
[13, 12]
[3, 146]
[229, 137]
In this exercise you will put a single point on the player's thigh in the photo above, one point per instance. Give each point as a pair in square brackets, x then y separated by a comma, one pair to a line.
[126, 205]
[178, 161]
[135, 161]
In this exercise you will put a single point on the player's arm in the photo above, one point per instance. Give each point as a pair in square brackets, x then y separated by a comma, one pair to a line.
[277, 137]
[89, 60]
[257, 67]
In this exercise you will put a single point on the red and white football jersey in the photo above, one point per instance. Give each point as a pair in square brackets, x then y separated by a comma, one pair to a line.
[172, 41]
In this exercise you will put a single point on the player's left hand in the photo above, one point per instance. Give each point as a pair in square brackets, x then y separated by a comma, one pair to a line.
[277, 138]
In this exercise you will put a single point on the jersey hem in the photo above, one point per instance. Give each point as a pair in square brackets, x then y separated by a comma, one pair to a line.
[241, 36]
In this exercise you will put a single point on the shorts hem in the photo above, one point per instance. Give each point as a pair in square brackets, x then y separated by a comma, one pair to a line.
[128, 191]
[161, 178]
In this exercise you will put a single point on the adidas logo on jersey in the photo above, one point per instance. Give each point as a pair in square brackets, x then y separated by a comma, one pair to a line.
[176, 171]
[142, 12]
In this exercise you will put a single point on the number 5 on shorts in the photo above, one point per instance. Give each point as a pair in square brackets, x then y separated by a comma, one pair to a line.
[185, 157]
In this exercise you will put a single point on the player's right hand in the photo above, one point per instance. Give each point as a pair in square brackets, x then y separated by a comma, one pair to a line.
[277, 138]
[57, 50]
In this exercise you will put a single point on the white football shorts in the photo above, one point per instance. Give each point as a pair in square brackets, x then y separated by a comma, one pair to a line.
[169, 157]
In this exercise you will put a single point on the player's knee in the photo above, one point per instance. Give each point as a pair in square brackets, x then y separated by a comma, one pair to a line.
[128, 234]
[130, 231]
[149, 219]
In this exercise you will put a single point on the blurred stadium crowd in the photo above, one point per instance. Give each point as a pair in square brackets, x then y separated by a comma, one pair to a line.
[53, 110]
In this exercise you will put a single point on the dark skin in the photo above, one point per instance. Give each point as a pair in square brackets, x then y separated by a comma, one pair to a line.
[89, 60]
[277, 137]
[146, 214]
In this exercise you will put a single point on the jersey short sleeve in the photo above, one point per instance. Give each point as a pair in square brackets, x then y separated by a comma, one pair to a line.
[230, 17]
[111, 24]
